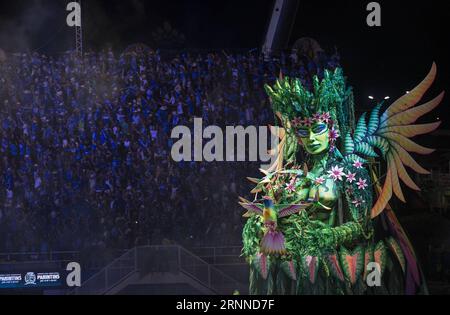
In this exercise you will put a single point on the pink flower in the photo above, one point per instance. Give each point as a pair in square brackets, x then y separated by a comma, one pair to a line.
[334, 135]
[362, 184]
[307, 122]
[325, 117]
[319, 181]
[358, 202]
[317, 117]
[296, 122]
[336, 173]
[349, 191]
[358, 164]
[351, 177]
[290, 187]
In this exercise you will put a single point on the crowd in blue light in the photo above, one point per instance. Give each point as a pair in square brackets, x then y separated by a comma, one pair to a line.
[85, 146]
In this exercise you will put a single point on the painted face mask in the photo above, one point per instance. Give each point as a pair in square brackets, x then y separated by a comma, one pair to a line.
[316, 139]
[316, 134]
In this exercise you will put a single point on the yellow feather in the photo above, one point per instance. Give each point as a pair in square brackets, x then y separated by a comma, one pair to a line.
[281, 155]
[412, 98]
[384, 197]
[403, 174]
[407, 144]
[394, 177]
[407, 159]
[266, 214]
[411, 130]
[410, 116]
[278, 164]
[378, 187]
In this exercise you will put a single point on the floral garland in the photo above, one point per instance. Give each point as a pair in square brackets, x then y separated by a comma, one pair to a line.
[309, 121]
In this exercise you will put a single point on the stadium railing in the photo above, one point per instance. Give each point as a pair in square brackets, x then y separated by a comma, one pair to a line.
[142, 261]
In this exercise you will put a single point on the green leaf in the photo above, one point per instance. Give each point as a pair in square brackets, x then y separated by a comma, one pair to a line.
[361, 129]
[380, 143]
[374, 120]
[365, 149]
[349, 145]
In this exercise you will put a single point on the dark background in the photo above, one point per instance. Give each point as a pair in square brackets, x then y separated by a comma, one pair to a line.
[380, 61]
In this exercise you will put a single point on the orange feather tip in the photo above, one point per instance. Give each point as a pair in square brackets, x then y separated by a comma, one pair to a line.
[409, 100]
[404, 176]
[394, 177]
[384, 197]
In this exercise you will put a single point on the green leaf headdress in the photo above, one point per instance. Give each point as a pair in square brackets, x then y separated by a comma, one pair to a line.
[330, 101]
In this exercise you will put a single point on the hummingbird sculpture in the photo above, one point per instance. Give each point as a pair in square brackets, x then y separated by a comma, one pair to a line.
[273, 241]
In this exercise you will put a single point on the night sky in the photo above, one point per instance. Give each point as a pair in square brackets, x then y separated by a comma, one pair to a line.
[384, 61]
[389, 60]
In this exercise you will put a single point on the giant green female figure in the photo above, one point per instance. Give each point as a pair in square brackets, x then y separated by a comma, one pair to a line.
[321, 222]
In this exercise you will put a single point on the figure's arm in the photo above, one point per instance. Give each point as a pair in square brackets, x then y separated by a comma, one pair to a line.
[331, 238]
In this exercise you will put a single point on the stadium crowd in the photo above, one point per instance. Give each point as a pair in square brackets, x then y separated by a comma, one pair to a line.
[85, 146]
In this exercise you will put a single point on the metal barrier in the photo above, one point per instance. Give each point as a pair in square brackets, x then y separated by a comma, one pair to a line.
[218, 251]
[159, 259]
[50, 256]
[220, 255]
[109, 276]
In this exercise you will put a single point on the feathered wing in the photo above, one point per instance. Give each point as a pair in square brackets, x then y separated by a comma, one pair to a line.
[252, 208]
[287, 210]
[390, 133]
